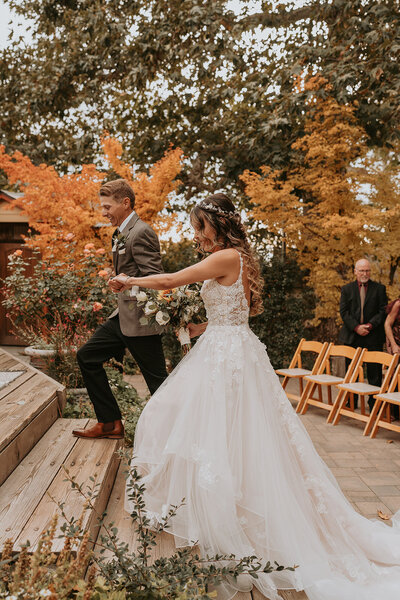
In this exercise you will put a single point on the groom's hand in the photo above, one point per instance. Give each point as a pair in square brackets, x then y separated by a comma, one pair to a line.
[115, 285]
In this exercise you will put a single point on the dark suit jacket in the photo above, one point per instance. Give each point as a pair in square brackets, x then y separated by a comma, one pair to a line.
[138, 256]
[374, 313]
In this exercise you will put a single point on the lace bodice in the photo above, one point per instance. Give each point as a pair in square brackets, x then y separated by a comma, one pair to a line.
[226, 304]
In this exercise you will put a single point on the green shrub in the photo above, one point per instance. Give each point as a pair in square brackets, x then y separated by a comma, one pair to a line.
[288, 306]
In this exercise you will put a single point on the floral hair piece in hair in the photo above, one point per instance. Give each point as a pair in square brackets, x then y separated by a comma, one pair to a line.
[217, 210]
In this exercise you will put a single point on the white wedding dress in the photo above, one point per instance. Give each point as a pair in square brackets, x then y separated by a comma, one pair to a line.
[221, 433]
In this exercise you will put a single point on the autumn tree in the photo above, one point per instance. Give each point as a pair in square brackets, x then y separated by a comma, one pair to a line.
[66, 207]
[379, 173]
[216, 83]
[314, 207]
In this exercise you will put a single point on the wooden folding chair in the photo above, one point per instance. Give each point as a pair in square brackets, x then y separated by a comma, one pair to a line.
[382, 403]
[295, 369]
[324, 378]
[358, 386]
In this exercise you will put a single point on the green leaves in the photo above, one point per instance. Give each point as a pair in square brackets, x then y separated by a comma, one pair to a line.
[217, 84]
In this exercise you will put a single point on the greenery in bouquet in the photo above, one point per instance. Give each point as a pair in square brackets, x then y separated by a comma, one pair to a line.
[60, 301]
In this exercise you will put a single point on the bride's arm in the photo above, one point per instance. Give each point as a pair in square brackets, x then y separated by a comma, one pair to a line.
[216, 265]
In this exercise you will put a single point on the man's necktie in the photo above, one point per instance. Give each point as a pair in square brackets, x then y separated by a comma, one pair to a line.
[362, 299]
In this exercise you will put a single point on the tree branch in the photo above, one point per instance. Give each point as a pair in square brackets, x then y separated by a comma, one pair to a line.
[278, 19]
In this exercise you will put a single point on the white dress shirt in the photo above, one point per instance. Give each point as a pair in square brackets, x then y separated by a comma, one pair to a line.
[125, 222]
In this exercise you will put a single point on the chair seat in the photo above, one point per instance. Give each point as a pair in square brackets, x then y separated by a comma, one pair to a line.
[295, 372]
[391, 396]
[324, 379]
[364, 389]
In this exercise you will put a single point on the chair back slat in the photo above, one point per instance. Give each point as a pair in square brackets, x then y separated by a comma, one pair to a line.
[345, 351]
[373, 356]
[311, 346]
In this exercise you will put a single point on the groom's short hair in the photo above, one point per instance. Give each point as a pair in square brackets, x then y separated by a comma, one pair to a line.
[118, 189]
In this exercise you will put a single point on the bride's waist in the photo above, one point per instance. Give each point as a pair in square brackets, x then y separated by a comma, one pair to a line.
[227, 326]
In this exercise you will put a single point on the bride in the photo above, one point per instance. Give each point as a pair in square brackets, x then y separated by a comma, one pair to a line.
[221, 433]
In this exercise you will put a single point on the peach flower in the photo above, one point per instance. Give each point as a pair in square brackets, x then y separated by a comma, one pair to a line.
[97, 306]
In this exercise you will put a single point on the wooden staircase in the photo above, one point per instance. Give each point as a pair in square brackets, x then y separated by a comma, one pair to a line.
[36, 446]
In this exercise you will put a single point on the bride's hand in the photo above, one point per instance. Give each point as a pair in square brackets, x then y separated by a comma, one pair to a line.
[196, 329]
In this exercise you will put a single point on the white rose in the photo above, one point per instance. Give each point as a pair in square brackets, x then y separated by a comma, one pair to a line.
[45, 593]
[162, 318]
[149, 309]
[141, 296]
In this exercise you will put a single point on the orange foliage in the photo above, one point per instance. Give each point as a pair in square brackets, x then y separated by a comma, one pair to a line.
[151, 190]
[65, 208]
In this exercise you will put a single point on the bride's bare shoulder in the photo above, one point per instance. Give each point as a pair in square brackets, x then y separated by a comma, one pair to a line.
[227, 254]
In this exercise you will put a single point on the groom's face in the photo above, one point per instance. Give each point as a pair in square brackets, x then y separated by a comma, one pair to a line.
[115, 210]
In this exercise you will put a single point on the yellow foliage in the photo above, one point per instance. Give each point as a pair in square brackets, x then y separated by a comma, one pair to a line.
[315, 206]
[380, 170]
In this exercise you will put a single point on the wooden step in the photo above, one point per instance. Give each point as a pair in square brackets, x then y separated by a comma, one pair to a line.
[29, 497]
[121, 519]
[29, 405]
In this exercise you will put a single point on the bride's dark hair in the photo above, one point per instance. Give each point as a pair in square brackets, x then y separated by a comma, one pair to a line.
[218, 210]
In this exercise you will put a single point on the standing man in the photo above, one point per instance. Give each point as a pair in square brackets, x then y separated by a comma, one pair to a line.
[362, 308]
[136, 252]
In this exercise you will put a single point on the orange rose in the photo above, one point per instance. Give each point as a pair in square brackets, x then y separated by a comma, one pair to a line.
[100, 251]
[97, 306]
[18, 253]
[166, 295]
[89, 246]
[103, 273]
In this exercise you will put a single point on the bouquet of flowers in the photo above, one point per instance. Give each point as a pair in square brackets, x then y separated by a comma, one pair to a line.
[175, 308]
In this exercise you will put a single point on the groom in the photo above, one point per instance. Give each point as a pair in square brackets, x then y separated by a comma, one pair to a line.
[136, 252]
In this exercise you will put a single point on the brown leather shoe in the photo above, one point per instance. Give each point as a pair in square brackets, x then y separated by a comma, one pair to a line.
[113, 430]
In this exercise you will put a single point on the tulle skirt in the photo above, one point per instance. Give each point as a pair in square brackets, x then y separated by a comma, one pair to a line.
[221, 434]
